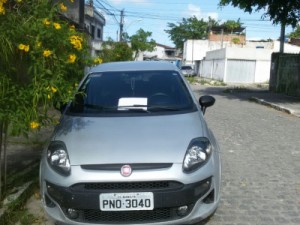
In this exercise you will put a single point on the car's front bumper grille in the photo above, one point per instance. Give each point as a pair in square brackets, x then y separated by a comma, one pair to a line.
[145, 186]
[168, 196]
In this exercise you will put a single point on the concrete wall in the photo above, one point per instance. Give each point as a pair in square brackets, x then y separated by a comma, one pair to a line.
[285, 74]
[295, 41]
[227, 38]
[195, 50]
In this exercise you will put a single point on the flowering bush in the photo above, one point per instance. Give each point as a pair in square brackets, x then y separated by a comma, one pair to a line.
[43, 57]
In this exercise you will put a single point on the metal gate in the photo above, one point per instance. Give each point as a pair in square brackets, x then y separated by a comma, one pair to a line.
[240, 71]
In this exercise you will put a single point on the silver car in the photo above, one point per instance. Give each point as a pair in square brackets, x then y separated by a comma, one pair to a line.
[132, 148]
[187, 70]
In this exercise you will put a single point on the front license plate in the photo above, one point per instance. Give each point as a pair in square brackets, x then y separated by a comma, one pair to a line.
[126, 201]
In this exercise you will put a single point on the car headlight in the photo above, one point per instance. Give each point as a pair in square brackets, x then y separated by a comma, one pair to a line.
[197, 154]
[58, 158]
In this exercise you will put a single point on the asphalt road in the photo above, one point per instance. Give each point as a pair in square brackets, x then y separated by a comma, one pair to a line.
[260, 160]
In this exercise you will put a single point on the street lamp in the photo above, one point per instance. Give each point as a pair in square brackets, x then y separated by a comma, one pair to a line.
[121, 27]
[134, 21]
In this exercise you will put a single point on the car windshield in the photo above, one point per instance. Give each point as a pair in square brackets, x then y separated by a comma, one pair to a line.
[186, 67]
[132, 92]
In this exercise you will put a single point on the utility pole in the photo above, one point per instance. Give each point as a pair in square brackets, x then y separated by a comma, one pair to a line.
[121, 25]
[222, 37]
[81, 14]
[282, 37]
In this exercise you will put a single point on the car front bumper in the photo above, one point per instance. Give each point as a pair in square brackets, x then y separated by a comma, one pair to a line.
[78, 202]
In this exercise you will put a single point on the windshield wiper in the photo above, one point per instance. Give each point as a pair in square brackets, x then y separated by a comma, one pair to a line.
[163, 108]
[99, 107]
[134, 108]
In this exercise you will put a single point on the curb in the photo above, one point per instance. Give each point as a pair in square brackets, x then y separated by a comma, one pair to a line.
[274, 106]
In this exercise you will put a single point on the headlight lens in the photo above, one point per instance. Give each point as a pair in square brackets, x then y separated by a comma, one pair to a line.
[197, 154]
[58, 158]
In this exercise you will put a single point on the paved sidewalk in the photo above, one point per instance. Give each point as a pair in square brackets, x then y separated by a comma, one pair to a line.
[278, 101]
[281, 102]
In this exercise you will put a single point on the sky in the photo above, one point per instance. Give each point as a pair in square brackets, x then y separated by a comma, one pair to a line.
[154, 16]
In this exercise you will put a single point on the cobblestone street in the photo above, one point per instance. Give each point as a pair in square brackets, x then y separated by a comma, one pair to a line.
[260, 159]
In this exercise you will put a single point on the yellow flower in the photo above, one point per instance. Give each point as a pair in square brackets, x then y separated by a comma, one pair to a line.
[47, 53]
[72, 58]
[46, 22]
[98, 61]
[39, 44]
[26, 48]
[63, 7]
[76, 42]
[72, 27]
[34, 125]
[23, 47]
[53, 89]
[57, 26]
[2, 10]
[49, 97]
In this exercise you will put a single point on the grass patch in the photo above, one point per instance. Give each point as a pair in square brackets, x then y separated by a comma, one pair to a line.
[203, 81]
[26, 218]
[235, 90]
[15, 210]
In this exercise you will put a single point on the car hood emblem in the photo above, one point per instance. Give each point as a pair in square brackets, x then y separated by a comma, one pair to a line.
[126, 171]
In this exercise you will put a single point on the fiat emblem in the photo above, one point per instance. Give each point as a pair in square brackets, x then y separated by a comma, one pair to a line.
[126, 170]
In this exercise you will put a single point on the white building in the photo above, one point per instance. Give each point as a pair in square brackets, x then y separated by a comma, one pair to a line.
[160, 52]
[237, 65]
[247, 63]
[94, 22]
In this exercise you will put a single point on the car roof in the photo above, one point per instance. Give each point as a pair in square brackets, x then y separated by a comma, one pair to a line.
[134, 66]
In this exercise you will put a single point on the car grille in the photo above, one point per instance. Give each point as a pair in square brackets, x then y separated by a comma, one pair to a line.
[125, 217]
[123, 186]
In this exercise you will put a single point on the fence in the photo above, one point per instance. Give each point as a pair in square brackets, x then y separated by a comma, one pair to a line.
[285, 74]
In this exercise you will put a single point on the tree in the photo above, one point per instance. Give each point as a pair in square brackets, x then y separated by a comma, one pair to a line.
[279, 11]
[42, 59]
[140, 42]
[231, 25]
[115, 51]
[295, 33]
[189, 28]
[122, 51]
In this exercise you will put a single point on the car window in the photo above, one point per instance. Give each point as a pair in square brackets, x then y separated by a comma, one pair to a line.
[133, 92]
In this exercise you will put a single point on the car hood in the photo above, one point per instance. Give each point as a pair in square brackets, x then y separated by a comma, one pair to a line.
[142, 139]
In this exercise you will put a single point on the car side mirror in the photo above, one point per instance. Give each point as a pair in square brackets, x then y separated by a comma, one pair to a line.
[206, 101]
[78, 102]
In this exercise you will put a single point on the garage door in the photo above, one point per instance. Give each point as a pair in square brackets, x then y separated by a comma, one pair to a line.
[240, 71]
